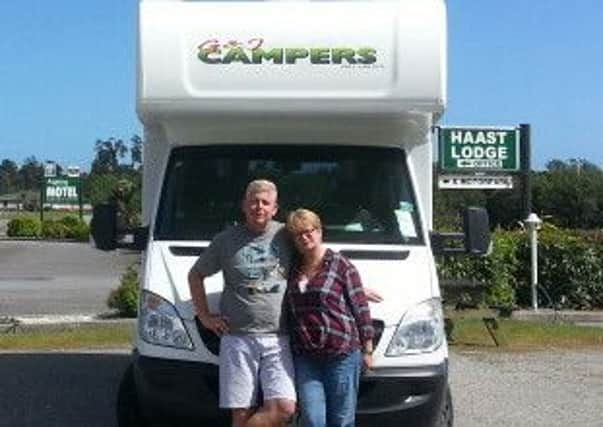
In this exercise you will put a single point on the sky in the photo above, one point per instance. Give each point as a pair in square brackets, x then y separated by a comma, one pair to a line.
[68, 75]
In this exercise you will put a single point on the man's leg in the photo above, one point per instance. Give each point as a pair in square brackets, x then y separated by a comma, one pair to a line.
[275, 412]
[341, 380]
[240, 416]
[239, 363]
[276, 379]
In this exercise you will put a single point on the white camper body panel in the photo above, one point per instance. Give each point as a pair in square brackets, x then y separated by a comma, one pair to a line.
[378, 58]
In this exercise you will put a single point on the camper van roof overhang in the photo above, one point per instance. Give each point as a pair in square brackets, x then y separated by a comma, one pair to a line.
[291, 58]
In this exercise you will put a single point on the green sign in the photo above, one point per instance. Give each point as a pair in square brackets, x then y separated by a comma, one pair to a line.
[479, 149]
[62, 191]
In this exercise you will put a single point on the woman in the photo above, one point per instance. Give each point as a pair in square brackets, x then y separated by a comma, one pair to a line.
[330, 324]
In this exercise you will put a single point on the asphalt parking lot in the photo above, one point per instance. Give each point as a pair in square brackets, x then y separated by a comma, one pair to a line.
[553, 388]
[548, 389]
[58, 278]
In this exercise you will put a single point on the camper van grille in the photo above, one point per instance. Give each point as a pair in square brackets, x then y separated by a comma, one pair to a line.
[212, 341]
[378, 325]
[186, 250]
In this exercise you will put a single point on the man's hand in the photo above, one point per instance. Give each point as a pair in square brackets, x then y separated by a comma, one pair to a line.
[216, 323]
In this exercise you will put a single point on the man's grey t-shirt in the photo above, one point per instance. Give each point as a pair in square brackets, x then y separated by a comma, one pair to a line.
[255, 268]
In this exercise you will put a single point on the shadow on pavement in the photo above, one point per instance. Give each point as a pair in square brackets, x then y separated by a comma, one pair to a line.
[59, 389]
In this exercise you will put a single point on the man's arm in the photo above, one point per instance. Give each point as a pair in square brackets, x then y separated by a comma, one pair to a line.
[214, 322]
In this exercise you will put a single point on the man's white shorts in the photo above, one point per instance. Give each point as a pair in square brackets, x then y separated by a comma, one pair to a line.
[248, 362]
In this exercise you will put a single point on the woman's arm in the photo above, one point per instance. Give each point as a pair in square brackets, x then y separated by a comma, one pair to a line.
[360, 309]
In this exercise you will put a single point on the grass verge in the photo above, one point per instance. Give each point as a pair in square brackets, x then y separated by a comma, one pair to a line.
[469, 333]
[54, 215]
[69, 338]
[520, 335]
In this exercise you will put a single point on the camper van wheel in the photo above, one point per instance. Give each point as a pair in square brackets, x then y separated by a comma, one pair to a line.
[128, 409]
[446, 411]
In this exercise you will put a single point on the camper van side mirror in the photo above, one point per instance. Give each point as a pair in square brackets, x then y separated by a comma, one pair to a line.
[141, 238]
[474, 240]
[103, 226]
[476, 227]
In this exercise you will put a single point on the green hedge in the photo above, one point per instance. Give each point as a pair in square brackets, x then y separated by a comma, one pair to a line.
[24, 226]
[570, 269]
[68, 227]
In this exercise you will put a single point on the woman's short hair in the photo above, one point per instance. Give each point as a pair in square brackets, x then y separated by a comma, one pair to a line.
[301, 219]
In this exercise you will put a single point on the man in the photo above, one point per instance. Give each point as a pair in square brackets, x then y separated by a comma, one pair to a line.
[254, 352]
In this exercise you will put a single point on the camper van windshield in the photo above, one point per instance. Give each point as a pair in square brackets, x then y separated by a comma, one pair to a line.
[363, 195]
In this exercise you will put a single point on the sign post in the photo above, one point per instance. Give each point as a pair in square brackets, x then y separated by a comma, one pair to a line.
[74, 172]
[50, 171]
[533, 224]
[526, 168]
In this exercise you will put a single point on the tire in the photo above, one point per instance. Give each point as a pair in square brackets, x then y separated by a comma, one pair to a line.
[446, 416]
[127, 408]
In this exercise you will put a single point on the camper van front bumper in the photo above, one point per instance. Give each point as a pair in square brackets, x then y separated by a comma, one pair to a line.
[412, 397]
[171, 389]
[177, 390]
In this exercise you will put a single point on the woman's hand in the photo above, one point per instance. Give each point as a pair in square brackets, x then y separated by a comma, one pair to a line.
[372, 295]
[367, 361]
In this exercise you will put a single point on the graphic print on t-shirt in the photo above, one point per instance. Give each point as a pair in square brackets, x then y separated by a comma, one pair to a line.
[260, 264]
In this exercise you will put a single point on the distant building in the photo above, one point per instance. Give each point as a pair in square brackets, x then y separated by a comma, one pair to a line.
[22, 200]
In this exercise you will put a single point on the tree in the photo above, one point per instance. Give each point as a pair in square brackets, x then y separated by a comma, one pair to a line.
[98, 188]
[577, 165]
[8, 176]
[570, 193]
[136, 151]
[108, 154]
[505, 207]
[30, 174]
[112, 180]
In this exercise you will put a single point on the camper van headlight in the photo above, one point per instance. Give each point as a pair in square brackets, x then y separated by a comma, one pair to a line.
[421, 330]
[159, 323]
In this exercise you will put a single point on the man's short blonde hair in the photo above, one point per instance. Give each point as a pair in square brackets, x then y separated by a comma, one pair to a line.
[260, 186]
[301, 219]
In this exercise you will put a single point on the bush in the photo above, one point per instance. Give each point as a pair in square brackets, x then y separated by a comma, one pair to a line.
[125, 298]
[497, 271]
[52, 229]
[570, 269]
[81, 232]
[99, 188]
[76, 228]
[68, 227]
[25, 226]
[70, 221]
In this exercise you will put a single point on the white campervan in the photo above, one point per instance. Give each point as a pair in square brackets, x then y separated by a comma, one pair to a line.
[335, 102]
